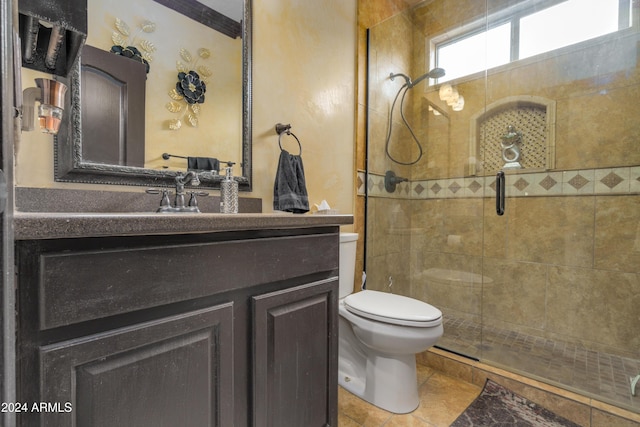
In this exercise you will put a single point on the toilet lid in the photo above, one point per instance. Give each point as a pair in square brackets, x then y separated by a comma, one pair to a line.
[392, 308]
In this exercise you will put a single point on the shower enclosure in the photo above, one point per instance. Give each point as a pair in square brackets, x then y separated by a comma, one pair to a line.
[550, 288]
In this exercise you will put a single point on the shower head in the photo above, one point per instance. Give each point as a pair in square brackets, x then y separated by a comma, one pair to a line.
[432, 74]
[435, 73]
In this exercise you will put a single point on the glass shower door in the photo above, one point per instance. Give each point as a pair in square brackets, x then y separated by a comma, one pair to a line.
[561, 266]
[550, 289]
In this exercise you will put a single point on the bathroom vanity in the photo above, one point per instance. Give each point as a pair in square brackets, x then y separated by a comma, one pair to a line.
[201, 320]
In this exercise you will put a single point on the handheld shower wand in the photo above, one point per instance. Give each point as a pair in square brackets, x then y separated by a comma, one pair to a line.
[436, 73]
[433, 74]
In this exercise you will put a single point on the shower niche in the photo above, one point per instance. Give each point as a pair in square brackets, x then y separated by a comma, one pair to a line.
[528, 119]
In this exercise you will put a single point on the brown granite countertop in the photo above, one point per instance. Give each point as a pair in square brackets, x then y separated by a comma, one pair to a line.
[56, 225]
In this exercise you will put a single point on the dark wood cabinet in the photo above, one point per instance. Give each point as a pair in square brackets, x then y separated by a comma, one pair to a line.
[218, 329]
[173, 371]
[295, 336]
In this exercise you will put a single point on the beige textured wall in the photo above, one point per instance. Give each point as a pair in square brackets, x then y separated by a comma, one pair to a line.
[556, 265]
[304, 73]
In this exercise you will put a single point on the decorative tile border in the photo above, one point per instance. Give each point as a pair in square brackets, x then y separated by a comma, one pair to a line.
[625, 180]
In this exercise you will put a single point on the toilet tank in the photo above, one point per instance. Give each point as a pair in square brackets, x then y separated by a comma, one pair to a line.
[348, 244]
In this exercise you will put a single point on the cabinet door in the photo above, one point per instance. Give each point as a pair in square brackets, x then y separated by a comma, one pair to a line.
[295, 356]
[175, 371]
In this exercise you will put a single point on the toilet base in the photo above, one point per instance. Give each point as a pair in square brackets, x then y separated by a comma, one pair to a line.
[390, 383]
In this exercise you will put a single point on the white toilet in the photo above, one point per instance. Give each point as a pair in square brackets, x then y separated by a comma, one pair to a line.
[379, 336]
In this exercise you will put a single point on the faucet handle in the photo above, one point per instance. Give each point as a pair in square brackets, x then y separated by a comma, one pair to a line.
[193, 201]
[165, 203]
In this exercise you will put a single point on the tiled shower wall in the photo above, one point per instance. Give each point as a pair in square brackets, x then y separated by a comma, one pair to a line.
[564, 261]
[562, 267]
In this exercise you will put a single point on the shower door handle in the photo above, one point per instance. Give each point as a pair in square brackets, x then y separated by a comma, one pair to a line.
[500, 193]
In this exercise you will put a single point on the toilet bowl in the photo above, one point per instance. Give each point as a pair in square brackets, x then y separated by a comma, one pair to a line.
[379, 336]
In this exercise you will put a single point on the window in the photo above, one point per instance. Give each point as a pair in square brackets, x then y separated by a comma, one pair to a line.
[477, 52]
[530, 32]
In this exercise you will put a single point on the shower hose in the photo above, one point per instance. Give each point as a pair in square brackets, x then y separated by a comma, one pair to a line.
[405, 87]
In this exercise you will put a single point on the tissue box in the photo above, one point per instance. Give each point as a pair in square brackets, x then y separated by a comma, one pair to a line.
[326, 212]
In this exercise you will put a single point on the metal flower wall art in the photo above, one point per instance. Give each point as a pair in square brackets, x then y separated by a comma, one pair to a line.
[131, 46]
[189, 92]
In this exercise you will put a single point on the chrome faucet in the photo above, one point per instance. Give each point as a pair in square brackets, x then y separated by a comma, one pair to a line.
[179, 204]
[181, 180]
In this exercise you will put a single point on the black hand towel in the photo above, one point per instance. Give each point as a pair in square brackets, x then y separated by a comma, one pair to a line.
[289, 190]
[203, 164]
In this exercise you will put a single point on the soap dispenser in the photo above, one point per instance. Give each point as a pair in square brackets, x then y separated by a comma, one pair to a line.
[229, 191]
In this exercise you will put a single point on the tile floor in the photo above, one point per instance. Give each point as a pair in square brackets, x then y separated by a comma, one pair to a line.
[448, 383]
[442, 399]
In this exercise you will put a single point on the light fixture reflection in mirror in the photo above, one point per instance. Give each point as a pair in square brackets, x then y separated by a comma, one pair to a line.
[50, 94]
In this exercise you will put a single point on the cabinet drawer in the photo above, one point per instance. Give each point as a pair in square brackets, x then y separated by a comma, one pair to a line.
[78, 286]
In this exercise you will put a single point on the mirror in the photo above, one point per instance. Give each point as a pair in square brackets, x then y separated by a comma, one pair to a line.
[226, 107]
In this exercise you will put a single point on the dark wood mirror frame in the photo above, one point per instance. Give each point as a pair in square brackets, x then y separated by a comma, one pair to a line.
[71, 167]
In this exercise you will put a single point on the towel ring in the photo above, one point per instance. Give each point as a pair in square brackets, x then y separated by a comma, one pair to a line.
[293, 135]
